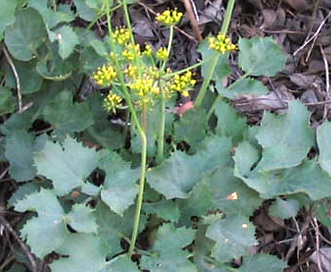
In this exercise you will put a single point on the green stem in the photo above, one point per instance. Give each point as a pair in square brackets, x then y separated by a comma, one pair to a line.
[160, 142]
[224, 30]
[141, 185]
[206, 81]
[141, 133]
[227, 17]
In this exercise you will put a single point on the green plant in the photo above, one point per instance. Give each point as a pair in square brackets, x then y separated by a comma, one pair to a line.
[78, 175]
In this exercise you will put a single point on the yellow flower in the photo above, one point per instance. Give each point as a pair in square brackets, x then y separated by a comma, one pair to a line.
[104, 75]
[121, 36]
[131, 52]
[221, 43]
[131, 71]
[148, 50]
[162, 54]
[112, 102]
[169, 17]
[183, 83]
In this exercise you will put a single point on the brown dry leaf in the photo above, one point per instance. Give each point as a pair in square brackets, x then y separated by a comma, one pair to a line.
[324, 257]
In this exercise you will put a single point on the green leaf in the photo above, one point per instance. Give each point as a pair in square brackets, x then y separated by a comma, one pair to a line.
[25, 36]
[199, 202]
[84, 11]
[285, 139]
[80, 218]
[222, 68]
[65, 116]
[262, 262]
[241, 87]
[102, 131]
[284, 208]
[83, 252]
[68, 166]
[230, 194]
[323, 142]
[191, 127]
[67, 40]
[152, 131]
[7, 14]
[7, 102]
[306, 178]
[19, 152]
[233, 235]
[177, 175]
[121, 263]
[245, 158]
[261, 56]
[166, 209]
[113, 227]
[48, 224]
[30, 80]
[167, 252]
[119, 189]
[321, 210]
[51, 17]
[229, 122]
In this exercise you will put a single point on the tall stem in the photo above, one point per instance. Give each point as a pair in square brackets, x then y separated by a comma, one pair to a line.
[160, 141]
[224, 30]
[141, 132]
[141, 183]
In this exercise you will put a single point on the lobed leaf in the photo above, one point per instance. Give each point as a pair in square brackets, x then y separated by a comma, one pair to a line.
[7, 14]
[233, 236]
[323, 142]
[82, 252]
[65, 116]
[46, 232]
[80, 218]
[25, 35]
[168, 254]
[262, 262]
[261, 56]
[68, 166]
[177, 175]
[119, 189]
[284, 208]
[19, 150]
[285, 139]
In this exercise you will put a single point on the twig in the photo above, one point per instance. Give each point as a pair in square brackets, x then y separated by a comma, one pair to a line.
[194, 23]
[318, 256]
[7, 226]
[313, 36]
[18, 83]
[4, 173]
[327, 79]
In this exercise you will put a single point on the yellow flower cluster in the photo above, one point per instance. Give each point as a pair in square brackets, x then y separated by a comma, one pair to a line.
[104, 75]
[112, 102]
[169, 17]
[131, 52]
[183, 83]
[221, 43]
[148, 50]
[121, 36]
[162, 54]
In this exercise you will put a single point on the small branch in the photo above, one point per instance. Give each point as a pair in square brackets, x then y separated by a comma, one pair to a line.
[194, 23]
[18, 83]
[26, 250]
[327, 79]
[314, 36]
